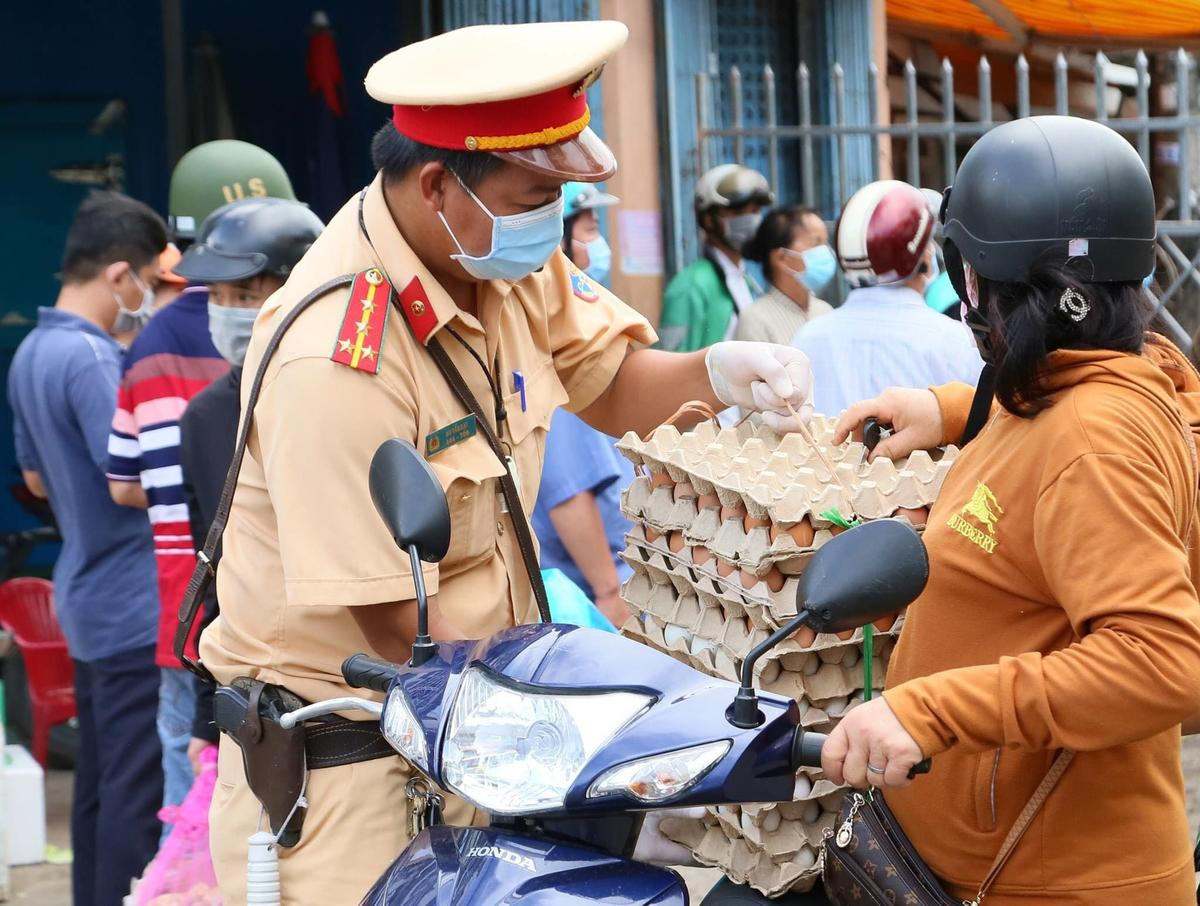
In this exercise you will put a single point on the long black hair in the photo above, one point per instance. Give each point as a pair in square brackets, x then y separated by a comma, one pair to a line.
[1027, 324]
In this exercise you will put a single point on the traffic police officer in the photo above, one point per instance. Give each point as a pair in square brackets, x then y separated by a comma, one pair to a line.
[460, 234]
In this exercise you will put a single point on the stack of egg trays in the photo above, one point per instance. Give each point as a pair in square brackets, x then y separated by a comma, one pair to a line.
[717, 547]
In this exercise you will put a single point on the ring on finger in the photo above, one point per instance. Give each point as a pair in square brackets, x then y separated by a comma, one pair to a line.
[875, 770]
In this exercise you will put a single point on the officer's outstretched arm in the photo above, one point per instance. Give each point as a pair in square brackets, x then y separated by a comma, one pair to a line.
[649, 386]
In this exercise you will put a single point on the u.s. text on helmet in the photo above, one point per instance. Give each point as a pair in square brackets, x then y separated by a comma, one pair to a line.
[1048, 190]
[883, 233]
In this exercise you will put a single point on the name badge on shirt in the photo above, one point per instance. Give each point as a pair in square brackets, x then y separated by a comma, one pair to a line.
[453, 433]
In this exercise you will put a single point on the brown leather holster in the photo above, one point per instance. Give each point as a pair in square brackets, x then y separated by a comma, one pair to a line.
[274, 758]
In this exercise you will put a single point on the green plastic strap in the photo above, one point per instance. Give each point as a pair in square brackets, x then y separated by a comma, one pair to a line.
[839, 520]
[868, 657]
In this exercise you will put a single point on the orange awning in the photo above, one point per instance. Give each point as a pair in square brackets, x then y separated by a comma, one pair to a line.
[1061, 21]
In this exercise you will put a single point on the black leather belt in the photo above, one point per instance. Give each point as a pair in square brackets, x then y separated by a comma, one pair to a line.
[335, 741]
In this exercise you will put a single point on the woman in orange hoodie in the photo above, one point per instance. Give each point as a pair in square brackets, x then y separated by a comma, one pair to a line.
[1062, 610]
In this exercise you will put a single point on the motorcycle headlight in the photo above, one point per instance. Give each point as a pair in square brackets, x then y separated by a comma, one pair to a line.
[660, 777]
[513, 752]
[401, 729]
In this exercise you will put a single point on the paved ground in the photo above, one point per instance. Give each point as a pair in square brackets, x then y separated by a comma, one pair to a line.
[50, 885]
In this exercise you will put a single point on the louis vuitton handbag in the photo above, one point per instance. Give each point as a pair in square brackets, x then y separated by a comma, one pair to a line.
[869, 860]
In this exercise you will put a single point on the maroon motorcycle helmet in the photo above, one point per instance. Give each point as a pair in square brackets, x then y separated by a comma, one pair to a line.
[882, 234]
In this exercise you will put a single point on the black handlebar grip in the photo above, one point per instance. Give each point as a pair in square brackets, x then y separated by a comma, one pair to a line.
[921, 767]
[806, 749]
[363, 672]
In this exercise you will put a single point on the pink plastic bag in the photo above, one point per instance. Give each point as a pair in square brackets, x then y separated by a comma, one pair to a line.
[182, 872]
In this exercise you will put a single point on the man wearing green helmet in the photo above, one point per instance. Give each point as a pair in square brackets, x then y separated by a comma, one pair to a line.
[170, 361]
[215, 174]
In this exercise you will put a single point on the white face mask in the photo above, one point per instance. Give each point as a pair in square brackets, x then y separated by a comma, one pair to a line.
[134, 319]
[230, 329]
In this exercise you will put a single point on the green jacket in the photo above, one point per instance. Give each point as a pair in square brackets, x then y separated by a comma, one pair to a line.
[696, 310]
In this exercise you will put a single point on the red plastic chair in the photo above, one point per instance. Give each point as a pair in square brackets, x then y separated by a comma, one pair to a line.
[27, 611]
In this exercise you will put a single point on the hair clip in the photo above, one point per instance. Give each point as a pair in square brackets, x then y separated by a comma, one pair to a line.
[1074, 305]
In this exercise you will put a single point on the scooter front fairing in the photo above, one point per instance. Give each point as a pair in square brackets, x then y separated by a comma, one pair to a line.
[446, 866]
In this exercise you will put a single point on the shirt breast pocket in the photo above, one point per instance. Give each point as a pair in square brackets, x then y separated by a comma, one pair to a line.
[468, 472]
[528, 417]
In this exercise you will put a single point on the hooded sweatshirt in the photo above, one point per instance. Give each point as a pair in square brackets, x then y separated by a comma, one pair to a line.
[1061, 612]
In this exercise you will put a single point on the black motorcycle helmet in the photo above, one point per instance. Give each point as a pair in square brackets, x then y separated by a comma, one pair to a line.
[1050, 212]
[1050, 190]
[250, 237]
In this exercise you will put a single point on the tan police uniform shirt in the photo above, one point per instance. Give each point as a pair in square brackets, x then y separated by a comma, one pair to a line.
[304, 542]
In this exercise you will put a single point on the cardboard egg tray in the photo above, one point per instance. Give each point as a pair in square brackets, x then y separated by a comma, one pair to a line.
[725, 521]
[755, 499]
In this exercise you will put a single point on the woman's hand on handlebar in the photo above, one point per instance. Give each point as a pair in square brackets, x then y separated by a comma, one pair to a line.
[914, 415]
[870, 735]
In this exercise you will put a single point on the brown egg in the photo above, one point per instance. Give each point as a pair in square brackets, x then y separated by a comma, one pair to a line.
[684, 490]
[733, 512]
[845, 635]
[701, 555]
[753, 522]
[651, 535]
[883, 624]
[749, 580]
[658, 478]
[805, 636]
[803, 534]
[919, 516]
[704, 501]
[724, 567]
[835, 529]
[774, 579]
[675, 542]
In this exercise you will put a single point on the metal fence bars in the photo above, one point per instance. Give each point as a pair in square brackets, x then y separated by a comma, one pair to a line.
[1178, 275]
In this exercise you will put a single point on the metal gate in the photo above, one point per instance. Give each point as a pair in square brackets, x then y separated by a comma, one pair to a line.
[844, 139]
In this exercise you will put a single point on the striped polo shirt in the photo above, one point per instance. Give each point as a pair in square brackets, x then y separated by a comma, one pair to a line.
[169, 362]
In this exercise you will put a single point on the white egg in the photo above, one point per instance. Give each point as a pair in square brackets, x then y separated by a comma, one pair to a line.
[805, 858]
[803, 787]
[811, 813]
[673, 635]
[771, 821]
[700, 644]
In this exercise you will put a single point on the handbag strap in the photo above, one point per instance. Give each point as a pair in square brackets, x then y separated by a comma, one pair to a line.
[508, 486]
[1032, 807]
[206, 569]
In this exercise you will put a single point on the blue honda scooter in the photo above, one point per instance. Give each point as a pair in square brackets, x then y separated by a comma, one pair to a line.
[567, 736]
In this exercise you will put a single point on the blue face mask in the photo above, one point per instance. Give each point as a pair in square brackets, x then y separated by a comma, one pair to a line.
[599, 259]
[940, 295]
[521, 243]
[819, 267]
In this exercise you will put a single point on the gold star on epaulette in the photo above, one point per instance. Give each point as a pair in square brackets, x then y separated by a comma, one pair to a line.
[361, 326]
[345, 345]
[368, 352]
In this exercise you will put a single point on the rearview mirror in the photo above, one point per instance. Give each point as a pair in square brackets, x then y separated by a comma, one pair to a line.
[862, 575]
[858, 577]
[410, 500]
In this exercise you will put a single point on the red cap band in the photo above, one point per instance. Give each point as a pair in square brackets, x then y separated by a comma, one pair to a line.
[536, 121]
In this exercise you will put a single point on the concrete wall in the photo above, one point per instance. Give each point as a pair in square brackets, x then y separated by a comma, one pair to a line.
[632, 129]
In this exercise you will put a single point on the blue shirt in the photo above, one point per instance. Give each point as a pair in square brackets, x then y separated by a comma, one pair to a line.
[579, 458]
[884, 336]
[63, 388]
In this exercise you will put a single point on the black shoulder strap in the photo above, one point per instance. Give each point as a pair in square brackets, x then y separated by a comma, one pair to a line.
[981, 404]
[508, 486]
[205, 571]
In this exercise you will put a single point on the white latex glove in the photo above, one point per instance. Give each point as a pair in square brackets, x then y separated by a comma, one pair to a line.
[762, 377]
[654, 847]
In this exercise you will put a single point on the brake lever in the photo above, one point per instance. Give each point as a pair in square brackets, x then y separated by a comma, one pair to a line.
[921, 767]
[873, 432]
